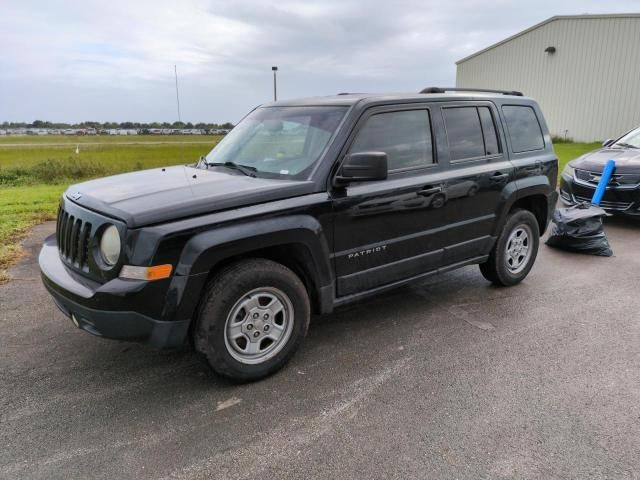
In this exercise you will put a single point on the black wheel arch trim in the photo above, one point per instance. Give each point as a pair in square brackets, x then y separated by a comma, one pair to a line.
[208, 250]
[523, 188]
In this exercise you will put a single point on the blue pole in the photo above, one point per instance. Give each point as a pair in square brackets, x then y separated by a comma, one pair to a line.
[604, 180]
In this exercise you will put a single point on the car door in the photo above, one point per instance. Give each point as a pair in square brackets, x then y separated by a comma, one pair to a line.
[389, 230]
[478, 172]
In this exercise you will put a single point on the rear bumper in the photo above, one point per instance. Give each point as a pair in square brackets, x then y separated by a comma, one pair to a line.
[107, 310]
[623, 201]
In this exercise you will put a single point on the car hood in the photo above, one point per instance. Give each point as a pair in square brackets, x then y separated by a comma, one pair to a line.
[158, 195]
[627, 160]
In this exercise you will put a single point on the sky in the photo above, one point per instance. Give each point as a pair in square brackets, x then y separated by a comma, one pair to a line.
[72, 61]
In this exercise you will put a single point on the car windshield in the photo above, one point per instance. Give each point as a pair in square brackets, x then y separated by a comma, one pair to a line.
[278, 142]
[630, 140]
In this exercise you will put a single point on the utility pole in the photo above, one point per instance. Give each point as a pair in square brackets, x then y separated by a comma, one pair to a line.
[275, 88]
[175, 69]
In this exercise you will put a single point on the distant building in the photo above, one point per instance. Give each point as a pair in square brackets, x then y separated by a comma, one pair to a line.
[584, 70]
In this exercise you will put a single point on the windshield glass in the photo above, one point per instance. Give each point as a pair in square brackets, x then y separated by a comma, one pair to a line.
[279, 141]
[631, 139]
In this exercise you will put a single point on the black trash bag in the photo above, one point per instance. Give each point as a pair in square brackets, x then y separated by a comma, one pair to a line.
[579, 229]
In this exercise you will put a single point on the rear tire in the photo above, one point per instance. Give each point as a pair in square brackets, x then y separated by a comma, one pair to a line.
[253, 317]
[515, 250]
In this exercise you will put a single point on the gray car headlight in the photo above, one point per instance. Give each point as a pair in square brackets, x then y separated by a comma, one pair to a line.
[569, 171]
[110, 245]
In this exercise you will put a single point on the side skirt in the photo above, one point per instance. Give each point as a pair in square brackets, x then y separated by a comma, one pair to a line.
[390, 286]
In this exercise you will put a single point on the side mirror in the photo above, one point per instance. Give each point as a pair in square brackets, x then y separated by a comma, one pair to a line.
[362, 167]
[607, 142]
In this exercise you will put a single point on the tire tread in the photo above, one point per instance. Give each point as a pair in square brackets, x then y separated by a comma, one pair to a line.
[217, 291]
[494, 269]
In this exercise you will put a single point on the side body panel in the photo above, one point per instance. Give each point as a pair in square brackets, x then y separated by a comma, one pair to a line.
[389, 231]
[535, 171]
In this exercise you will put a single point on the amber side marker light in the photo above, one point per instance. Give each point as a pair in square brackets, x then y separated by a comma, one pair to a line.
[157, 272]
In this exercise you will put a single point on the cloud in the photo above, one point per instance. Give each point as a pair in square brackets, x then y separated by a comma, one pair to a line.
[72, 61]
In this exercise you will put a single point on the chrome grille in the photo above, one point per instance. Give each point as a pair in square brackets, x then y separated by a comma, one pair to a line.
[617, 179]
[72, 235]
[607, 205]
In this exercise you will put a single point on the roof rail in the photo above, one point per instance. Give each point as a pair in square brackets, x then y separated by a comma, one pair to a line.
[484, 90]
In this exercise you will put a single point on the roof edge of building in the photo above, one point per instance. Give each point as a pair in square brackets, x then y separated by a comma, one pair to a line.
[544, 22]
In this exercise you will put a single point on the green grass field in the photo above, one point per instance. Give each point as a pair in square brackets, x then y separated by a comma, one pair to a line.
[568, 151]
[75, 139]
[32, 177]
[34, 162]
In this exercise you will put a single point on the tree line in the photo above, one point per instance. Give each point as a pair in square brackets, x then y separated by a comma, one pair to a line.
[116, 125]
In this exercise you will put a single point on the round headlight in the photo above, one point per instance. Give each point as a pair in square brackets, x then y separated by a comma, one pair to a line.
[110, 245]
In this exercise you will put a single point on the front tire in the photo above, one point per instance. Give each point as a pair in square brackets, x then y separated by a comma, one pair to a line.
[515, 250]
[253, 317]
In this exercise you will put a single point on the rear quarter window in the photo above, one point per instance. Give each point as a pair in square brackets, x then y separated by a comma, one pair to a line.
[523, 128]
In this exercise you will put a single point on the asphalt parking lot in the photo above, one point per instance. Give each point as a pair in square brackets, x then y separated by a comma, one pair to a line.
[452, 378]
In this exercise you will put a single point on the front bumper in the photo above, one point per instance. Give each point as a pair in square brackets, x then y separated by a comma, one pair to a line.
[625, 201]
[112, 309]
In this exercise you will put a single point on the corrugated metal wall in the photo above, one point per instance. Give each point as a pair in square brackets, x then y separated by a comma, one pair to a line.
[589, 88]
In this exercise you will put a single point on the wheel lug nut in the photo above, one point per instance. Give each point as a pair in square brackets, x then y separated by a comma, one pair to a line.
[266, 316]
[250, 326]
[255, 315]
[266, 328]
[256, 334]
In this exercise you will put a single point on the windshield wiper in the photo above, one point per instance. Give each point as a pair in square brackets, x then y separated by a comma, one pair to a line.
[246, 169]
[625, 145]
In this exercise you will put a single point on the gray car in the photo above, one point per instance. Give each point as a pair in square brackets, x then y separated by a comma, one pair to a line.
[581, 176]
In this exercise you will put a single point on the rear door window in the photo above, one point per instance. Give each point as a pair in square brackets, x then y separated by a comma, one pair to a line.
[464, 132]
[523, 127]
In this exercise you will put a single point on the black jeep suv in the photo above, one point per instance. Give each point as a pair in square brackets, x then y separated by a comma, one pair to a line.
[305, 206]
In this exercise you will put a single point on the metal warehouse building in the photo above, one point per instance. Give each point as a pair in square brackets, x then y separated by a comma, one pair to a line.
[584, 70]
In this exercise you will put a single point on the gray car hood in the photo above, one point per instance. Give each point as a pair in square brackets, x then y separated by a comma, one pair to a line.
[627, 160]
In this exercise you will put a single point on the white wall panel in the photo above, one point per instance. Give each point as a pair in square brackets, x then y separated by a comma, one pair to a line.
[590, 87]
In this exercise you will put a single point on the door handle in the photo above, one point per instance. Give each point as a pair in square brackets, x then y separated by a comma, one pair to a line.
[425, 192]
[498, 177]
[537, 168]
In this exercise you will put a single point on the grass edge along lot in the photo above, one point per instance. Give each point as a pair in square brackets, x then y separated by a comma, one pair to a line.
[33, 198]
[34, 171]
